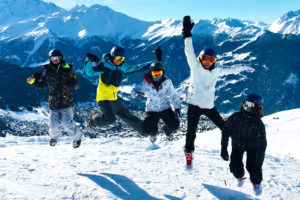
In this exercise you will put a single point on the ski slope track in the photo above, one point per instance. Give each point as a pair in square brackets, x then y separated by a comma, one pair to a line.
[133, 168]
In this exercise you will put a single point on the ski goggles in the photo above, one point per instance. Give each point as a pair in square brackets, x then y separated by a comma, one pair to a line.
[209, 59]
[55, 58]
[156, 73]
[119, 58]
[250, 104]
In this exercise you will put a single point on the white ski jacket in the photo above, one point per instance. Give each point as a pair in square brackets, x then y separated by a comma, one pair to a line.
[201, 90]
[158, 99]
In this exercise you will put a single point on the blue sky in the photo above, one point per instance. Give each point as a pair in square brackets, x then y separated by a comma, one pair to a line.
[151, 10]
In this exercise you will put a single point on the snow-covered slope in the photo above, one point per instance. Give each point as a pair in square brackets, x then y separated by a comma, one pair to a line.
[289, 23]
[131, 168]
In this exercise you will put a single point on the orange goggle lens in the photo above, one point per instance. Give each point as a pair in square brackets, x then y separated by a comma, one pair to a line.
[120, 58]
[157, 73]
[206, 58]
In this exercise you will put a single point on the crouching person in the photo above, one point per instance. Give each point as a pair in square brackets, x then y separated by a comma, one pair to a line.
[59, 77]
[248, 134]
[160, 94]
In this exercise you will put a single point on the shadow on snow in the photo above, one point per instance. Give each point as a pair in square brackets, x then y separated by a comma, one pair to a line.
[122, 187]
[226, 194]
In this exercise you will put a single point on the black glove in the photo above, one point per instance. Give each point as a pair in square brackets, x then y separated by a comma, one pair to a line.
[158, 53]
[37, 75]
[224, 153]
[91, 57]
[187, 27]
[177, 113]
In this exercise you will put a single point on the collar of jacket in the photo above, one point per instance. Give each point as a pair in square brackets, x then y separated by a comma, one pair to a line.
[148, 78]
[108, 63]
[57, 67]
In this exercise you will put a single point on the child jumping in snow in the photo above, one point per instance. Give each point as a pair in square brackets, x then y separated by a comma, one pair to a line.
[248, 134]
[60, 79]
[111, 72]
[160, 94]
[201, 92]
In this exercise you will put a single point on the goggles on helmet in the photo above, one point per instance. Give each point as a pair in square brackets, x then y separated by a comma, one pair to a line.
[119, 58]
[156, 73]
[251, 106]
[207, 58]
[55, 58]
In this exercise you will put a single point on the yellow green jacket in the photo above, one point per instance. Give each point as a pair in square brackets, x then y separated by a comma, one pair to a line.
[110, 76]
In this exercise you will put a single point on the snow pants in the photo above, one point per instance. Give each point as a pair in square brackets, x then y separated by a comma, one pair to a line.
[254, 164]
[111, 109]
[152, 118]
[194, 113]
[63, 117]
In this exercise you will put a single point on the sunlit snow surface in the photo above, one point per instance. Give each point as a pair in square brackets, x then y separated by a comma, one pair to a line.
[132, 168]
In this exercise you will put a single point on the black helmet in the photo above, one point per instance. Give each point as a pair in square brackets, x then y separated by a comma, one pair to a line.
[56, 52]
[253, 105]
[156, 66]
[117, 51]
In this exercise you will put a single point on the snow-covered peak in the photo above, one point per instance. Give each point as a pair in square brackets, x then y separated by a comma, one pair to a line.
[79, 22]
[16, 10]
[289, 23]
[230, 22]
[163, 29]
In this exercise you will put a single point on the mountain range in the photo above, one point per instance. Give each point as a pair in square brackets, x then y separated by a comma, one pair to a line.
[29, 29]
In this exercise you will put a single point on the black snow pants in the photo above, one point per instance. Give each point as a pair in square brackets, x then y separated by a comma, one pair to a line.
[152, 118]
[254, 164]
[194, 113]
[111, 109]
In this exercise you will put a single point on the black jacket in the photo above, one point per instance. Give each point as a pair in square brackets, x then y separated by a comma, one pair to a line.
[60, 79]
[247, 133]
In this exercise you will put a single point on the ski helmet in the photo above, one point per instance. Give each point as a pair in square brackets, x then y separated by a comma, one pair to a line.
[209, 52]
[56, 52]
[156, 66]
[117, 51]
[253, 105]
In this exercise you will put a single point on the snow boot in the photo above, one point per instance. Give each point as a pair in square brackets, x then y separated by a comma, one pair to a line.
[188, 156]
[170, 137]
[53, 142]
[241, 181]
[76, 144]
[153, 138]
[257, 189]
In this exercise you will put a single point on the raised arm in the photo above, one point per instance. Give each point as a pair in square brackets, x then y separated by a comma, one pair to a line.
[133, 69]
[91, 65]
[187, 27]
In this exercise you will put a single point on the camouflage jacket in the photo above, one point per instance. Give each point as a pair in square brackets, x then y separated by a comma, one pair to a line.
[60, 79]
